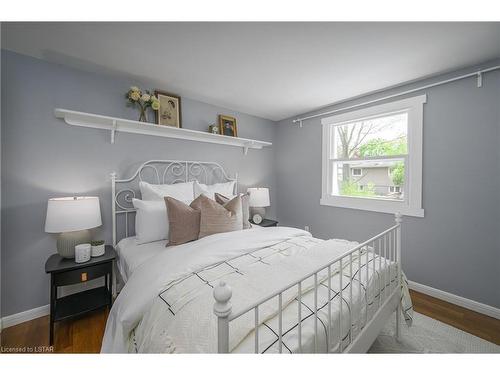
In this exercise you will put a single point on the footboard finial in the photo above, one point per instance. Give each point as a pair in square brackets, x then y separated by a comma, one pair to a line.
[222, 295]
[222, 308]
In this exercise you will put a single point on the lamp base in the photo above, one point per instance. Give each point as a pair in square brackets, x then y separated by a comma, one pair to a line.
[258, 211]
[67, 241]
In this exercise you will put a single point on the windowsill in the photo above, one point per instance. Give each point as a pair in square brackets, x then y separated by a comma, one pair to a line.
[375, 205]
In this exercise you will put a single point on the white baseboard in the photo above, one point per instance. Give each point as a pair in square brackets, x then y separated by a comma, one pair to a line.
[456, 300]
[24, 316]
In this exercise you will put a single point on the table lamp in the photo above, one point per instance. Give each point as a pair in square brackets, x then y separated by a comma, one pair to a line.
[259, 199]
[72, 217]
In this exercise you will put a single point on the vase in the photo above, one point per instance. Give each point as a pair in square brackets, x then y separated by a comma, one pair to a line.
[143, 116]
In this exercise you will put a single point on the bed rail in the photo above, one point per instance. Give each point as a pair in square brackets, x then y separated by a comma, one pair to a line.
[385, 248]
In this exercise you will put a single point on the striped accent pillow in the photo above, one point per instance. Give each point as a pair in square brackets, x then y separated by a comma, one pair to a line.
[218, 218]
[245, 200]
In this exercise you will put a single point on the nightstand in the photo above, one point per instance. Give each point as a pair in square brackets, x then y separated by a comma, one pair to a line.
[266, 223]
[66, 272]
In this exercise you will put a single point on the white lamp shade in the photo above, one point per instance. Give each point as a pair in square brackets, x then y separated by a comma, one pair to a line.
[259, 197]
[72, 213]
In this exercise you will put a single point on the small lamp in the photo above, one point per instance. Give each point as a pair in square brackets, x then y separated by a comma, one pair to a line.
[72, 217]
[259, 199]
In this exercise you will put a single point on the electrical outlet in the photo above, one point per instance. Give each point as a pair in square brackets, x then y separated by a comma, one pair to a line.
[307, 228]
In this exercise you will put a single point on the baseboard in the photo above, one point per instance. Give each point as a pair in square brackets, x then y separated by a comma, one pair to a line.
[456, 300]
[24, 316]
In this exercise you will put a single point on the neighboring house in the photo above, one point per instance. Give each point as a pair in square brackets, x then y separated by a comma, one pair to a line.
[378, 176]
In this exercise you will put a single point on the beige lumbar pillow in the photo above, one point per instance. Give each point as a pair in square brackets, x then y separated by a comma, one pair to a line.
[245, 200]
[218, 218]
[184, 221]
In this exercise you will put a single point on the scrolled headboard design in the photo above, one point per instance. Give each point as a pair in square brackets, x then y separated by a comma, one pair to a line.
[157, 172]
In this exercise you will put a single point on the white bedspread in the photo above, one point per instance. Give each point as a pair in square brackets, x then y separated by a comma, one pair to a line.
[131, 255]
[167, 304]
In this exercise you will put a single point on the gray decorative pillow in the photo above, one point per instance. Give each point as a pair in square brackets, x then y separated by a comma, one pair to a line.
[184, 221]
[217, 218]
[245, 200]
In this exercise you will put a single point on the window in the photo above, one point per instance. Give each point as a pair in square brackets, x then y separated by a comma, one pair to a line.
[394, 189]
[356, 171]
[372, 158]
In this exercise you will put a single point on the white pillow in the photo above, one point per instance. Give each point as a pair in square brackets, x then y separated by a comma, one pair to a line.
[151, 221]
[224, 188]
[182, 191]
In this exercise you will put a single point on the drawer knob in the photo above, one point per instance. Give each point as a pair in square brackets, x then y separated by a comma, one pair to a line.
[84, 276]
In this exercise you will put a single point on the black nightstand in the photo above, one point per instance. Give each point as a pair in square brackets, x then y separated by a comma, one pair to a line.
[266, 223]
[66, 272]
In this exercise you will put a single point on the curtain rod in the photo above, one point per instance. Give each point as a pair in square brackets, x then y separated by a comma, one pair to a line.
[478, 74]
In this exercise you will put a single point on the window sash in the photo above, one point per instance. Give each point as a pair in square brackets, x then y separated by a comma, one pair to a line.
[405, 185]
[370, 158]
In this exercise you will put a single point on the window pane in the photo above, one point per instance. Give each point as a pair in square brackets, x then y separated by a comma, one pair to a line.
[382, 136]
[381, 179]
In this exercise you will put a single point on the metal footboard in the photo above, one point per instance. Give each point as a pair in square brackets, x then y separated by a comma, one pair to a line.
[385, 250]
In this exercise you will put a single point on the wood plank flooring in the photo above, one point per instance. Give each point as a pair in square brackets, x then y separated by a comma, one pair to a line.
[469, 321]
[84, 335]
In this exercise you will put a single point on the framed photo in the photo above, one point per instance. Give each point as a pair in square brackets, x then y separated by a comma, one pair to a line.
[227, 126]
[169, 113]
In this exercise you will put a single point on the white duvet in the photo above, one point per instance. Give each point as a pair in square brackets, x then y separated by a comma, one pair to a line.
[167, 304]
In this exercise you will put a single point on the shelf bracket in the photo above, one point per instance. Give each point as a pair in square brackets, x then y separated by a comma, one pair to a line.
[113, 130]
[479, 79]
[245, 149]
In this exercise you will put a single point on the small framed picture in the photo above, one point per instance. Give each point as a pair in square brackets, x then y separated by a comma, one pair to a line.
[227, 126]
[169, 113]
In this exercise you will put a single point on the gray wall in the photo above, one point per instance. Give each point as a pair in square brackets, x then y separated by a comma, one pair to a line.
[42, 157]
[456, 247]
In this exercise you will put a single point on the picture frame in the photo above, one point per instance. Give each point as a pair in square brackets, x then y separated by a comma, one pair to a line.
[227, 126]
[169, 113]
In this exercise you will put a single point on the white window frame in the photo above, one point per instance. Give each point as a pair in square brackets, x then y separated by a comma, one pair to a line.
[412, 204]
[357, 175]
[393, 189]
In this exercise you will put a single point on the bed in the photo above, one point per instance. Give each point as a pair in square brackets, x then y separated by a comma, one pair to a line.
[131, 255]
[259, 290]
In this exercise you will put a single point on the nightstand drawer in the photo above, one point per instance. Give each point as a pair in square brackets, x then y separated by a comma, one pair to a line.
[82, 274]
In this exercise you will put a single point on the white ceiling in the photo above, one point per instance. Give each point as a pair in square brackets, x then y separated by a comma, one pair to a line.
[272, 70]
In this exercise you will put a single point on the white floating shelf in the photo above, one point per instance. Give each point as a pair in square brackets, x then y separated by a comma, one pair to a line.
[113, 124]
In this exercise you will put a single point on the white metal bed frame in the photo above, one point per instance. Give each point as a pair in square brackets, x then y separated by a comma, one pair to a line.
[385, 245]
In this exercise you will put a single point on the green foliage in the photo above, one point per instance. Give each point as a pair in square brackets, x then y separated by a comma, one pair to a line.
[97, 243]
[381, 147]
[350, 188]
[398, 174]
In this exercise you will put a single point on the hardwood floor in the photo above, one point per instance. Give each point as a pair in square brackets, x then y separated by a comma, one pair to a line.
[469, 321]
[84, 335]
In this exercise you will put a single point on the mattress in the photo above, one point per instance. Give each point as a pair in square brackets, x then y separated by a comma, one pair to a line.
[131, 255]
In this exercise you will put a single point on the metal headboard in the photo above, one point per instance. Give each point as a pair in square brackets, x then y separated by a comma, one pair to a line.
[158, 172]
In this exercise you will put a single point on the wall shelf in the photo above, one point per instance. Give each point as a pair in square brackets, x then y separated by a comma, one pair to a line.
[113, 124]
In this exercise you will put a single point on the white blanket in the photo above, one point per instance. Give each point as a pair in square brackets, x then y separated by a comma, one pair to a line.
[167, 304]
[148, 279]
